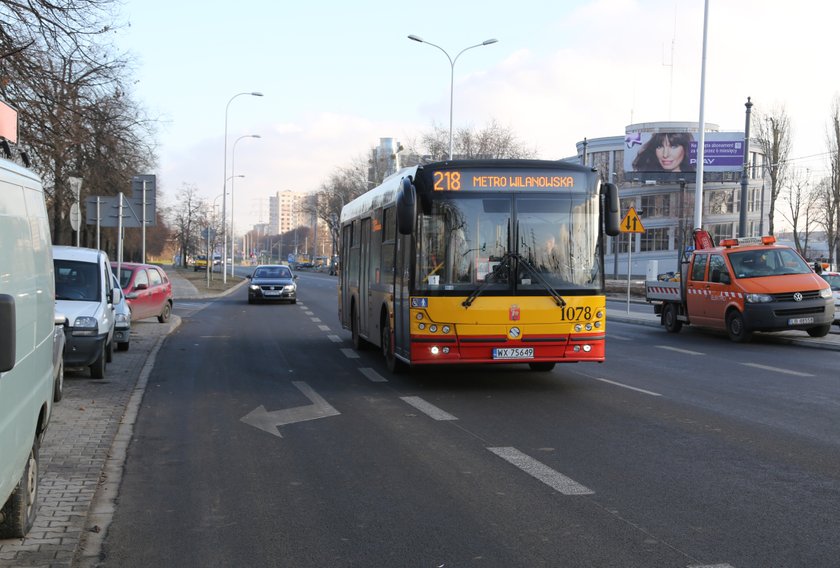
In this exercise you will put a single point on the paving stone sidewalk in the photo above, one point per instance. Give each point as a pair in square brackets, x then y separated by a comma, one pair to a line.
[77, 444]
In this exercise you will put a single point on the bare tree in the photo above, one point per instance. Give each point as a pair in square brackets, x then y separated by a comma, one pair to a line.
[56, 24]
[343, 185]
[799, 212]
[774, 137]
[493, 141]
[189, 217]
[830, 194]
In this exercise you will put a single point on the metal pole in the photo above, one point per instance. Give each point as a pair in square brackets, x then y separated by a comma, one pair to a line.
[630, 236]
[698, 184]
[98, 222]
[119, 233]
[742, 220]
[144, 222]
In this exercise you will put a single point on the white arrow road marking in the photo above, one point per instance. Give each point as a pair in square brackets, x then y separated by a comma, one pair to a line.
[269, 421]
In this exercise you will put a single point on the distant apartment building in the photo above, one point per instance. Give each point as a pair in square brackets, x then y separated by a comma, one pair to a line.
[665, 198]
[286, 211]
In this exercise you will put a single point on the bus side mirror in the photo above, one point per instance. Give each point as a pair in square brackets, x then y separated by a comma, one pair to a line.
[406, 207]
[612, 215]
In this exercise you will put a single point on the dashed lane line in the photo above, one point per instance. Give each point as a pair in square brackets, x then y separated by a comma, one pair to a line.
[372, 375]
[427, 408]
[554, 479]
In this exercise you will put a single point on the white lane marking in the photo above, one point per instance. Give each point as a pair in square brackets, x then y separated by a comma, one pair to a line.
[334, 338]
[777, 370]
[710, 566]
[269, 421]
[685, 351]
[428, 409]
[324, 327]
[542, 472]
[651, 393]
[350, 353]
[316, 320]
[372, 375]
[309, 313]
[619, 337]
[302, 306]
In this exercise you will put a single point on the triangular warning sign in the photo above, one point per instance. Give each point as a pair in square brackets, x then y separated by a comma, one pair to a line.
[632, 223]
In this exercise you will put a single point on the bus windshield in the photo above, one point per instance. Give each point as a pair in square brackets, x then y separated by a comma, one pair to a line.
[471, 241]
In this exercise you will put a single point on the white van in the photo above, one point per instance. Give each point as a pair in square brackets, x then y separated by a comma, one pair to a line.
[27, 317]
[85, 294]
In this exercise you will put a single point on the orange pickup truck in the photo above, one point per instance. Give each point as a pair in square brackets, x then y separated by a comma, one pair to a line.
[745, 285]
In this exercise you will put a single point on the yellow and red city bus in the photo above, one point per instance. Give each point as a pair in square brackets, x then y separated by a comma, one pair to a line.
[479, 261]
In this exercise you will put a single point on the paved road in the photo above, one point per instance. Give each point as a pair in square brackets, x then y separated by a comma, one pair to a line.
[84, 450]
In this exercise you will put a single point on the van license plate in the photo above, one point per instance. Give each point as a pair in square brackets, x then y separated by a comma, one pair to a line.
[800, 321]
[513, 353]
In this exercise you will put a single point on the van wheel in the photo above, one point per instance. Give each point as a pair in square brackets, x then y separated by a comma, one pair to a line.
[97, 369]
[669, 319]
[109, 352]
[819, 331]
[19, 511]
[736, 328]
[165, 313]
[58, 388]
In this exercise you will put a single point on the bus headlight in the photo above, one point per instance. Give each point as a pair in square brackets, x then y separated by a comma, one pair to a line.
[578, 327]
[433, 328]
[435, 349]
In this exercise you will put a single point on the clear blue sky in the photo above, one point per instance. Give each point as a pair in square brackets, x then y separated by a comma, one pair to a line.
[337, 76]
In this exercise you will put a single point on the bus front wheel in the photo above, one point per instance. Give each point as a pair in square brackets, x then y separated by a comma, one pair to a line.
[394, 365]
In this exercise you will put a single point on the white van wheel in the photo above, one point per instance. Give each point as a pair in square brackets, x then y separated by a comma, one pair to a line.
[19, 510]
[97, 369]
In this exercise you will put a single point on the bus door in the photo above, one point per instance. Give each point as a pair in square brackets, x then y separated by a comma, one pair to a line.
[364, 279]
[404, 258]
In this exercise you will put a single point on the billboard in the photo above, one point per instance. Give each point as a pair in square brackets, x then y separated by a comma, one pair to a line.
[676, 152]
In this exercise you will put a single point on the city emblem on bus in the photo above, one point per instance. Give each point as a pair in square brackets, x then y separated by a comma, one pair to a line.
[514, 313]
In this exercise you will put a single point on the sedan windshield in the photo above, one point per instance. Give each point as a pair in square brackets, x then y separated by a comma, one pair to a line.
[272, 272]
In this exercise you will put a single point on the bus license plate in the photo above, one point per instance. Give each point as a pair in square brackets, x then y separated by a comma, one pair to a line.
[513, 353]
[800, 321]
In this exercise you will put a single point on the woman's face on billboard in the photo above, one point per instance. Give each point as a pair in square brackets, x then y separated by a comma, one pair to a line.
[670, 157]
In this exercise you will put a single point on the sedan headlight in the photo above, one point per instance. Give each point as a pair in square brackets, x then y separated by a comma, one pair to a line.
[254, 287]
[758, 298]
[289, 288]
[825, 293]
[85, 325]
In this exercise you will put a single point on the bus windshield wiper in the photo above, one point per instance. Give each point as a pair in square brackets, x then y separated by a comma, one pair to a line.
[497, 270]
[505, 264]
[541, 279]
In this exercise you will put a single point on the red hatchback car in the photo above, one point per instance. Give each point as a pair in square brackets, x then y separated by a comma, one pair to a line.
[147, 289]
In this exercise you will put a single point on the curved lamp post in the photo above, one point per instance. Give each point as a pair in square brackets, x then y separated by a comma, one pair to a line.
[452, 75]
[233, 169]
[224, 185]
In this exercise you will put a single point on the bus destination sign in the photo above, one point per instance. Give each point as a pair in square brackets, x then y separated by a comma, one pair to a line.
[477, 180]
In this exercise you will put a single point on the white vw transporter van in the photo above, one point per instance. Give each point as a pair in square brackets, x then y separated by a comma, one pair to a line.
[27, 316]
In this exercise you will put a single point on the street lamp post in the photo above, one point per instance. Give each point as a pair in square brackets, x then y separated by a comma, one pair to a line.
[452, 75]
[232, 231]
[224, 184]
